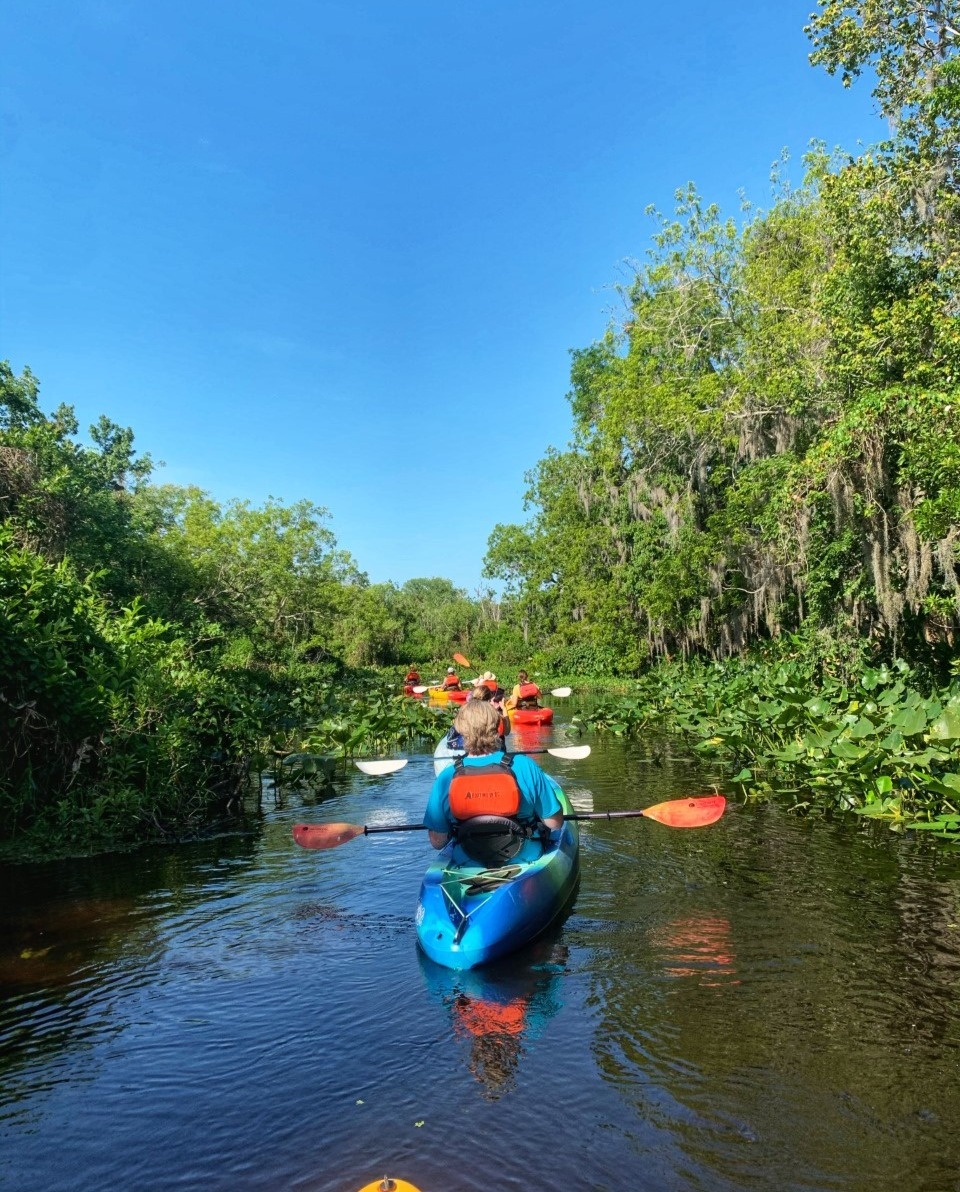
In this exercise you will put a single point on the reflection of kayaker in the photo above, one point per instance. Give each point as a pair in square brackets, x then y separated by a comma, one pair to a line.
[497, 1012]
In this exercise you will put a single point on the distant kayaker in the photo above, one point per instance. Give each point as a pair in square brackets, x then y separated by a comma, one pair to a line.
[451, 680]
[493, 696]
[525, 694]
[488, 782]
[412, 676]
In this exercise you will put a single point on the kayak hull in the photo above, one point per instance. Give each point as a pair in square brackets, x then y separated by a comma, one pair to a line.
[531, 716]
[454, 697]
[468, 916]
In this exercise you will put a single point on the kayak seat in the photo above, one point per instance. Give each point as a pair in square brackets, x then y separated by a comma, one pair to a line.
[492, 840]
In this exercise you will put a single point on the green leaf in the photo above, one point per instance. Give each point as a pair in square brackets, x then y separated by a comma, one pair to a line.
[848, 751]
[864, 728]
[910, 721]
[947, 726]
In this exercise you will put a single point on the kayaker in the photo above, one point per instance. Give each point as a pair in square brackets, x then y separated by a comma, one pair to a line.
[525, 694]
[411, 680]
[495, 698]
[488, 782]
[451, 680]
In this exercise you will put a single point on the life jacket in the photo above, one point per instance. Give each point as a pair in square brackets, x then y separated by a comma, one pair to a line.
[528, 696]
[413, 677]
[490, 684]
[484, 790]
[451, 681]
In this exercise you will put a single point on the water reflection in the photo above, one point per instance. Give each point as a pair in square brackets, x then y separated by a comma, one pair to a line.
[498, 1010]
[697, 946]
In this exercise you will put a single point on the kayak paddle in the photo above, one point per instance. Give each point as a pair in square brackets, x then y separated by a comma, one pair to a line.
[573, 753]
[675, 813]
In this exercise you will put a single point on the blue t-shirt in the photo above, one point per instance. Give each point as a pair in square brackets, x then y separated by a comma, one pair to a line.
[538, 796]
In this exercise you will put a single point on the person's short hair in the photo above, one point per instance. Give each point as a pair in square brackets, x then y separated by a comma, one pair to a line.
[477, 722]
[482, 692]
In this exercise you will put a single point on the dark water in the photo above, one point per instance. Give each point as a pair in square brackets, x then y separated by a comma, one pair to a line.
[768, 1003]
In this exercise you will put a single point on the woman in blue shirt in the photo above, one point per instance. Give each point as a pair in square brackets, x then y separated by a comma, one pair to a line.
[487, 781]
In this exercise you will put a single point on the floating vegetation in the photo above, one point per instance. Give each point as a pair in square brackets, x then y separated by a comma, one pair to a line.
[874, 744]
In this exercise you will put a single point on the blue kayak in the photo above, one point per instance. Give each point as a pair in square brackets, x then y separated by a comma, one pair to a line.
[468, 915]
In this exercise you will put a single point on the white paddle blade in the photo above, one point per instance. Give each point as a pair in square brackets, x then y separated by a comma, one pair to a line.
[384, 767]
[573, 753]
[420, 690]
[562, 692]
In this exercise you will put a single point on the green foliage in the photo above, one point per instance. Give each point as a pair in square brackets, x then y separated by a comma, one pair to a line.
[868, 741]
[768, 443]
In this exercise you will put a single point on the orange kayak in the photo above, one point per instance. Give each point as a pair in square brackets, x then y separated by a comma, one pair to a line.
[531, 716]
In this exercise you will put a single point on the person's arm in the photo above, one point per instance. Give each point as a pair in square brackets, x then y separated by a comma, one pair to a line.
[436, 814]
[552, 821]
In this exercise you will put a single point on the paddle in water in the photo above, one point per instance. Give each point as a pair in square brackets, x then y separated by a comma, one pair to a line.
[675, 813]
[572, 753]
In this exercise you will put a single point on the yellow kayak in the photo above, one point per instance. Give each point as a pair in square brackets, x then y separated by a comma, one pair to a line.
[389, 1185]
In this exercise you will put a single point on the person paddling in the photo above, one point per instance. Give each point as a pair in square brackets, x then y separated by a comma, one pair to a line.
[488, 783]
[451, 680]
[525, 694]
[494, 696]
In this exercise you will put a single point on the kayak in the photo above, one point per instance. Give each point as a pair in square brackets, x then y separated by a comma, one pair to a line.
[454, 697]
[468, 915]
[408, 690]
[531, 715]
[389, 1185]
[443, 755]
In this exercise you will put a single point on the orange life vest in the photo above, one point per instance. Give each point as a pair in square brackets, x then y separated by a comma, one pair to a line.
[528, 691]
[484, 790]
[451, 681]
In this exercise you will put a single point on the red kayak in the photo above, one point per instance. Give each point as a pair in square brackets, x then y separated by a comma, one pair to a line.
[531, 716]
[458, 697]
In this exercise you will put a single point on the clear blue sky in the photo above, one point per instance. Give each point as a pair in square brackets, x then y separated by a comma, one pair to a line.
[341, 251]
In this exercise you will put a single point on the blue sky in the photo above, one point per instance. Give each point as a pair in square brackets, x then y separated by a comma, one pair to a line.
[341, 251]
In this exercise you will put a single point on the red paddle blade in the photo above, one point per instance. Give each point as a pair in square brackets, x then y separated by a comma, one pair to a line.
[325, 835]
[463, 661]
[687, 813]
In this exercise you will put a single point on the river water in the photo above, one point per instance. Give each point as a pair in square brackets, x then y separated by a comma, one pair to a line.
[768, 1003]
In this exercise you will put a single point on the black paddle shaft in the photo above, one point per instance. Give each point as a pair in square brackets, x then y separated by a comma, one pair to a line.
[370, 828]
